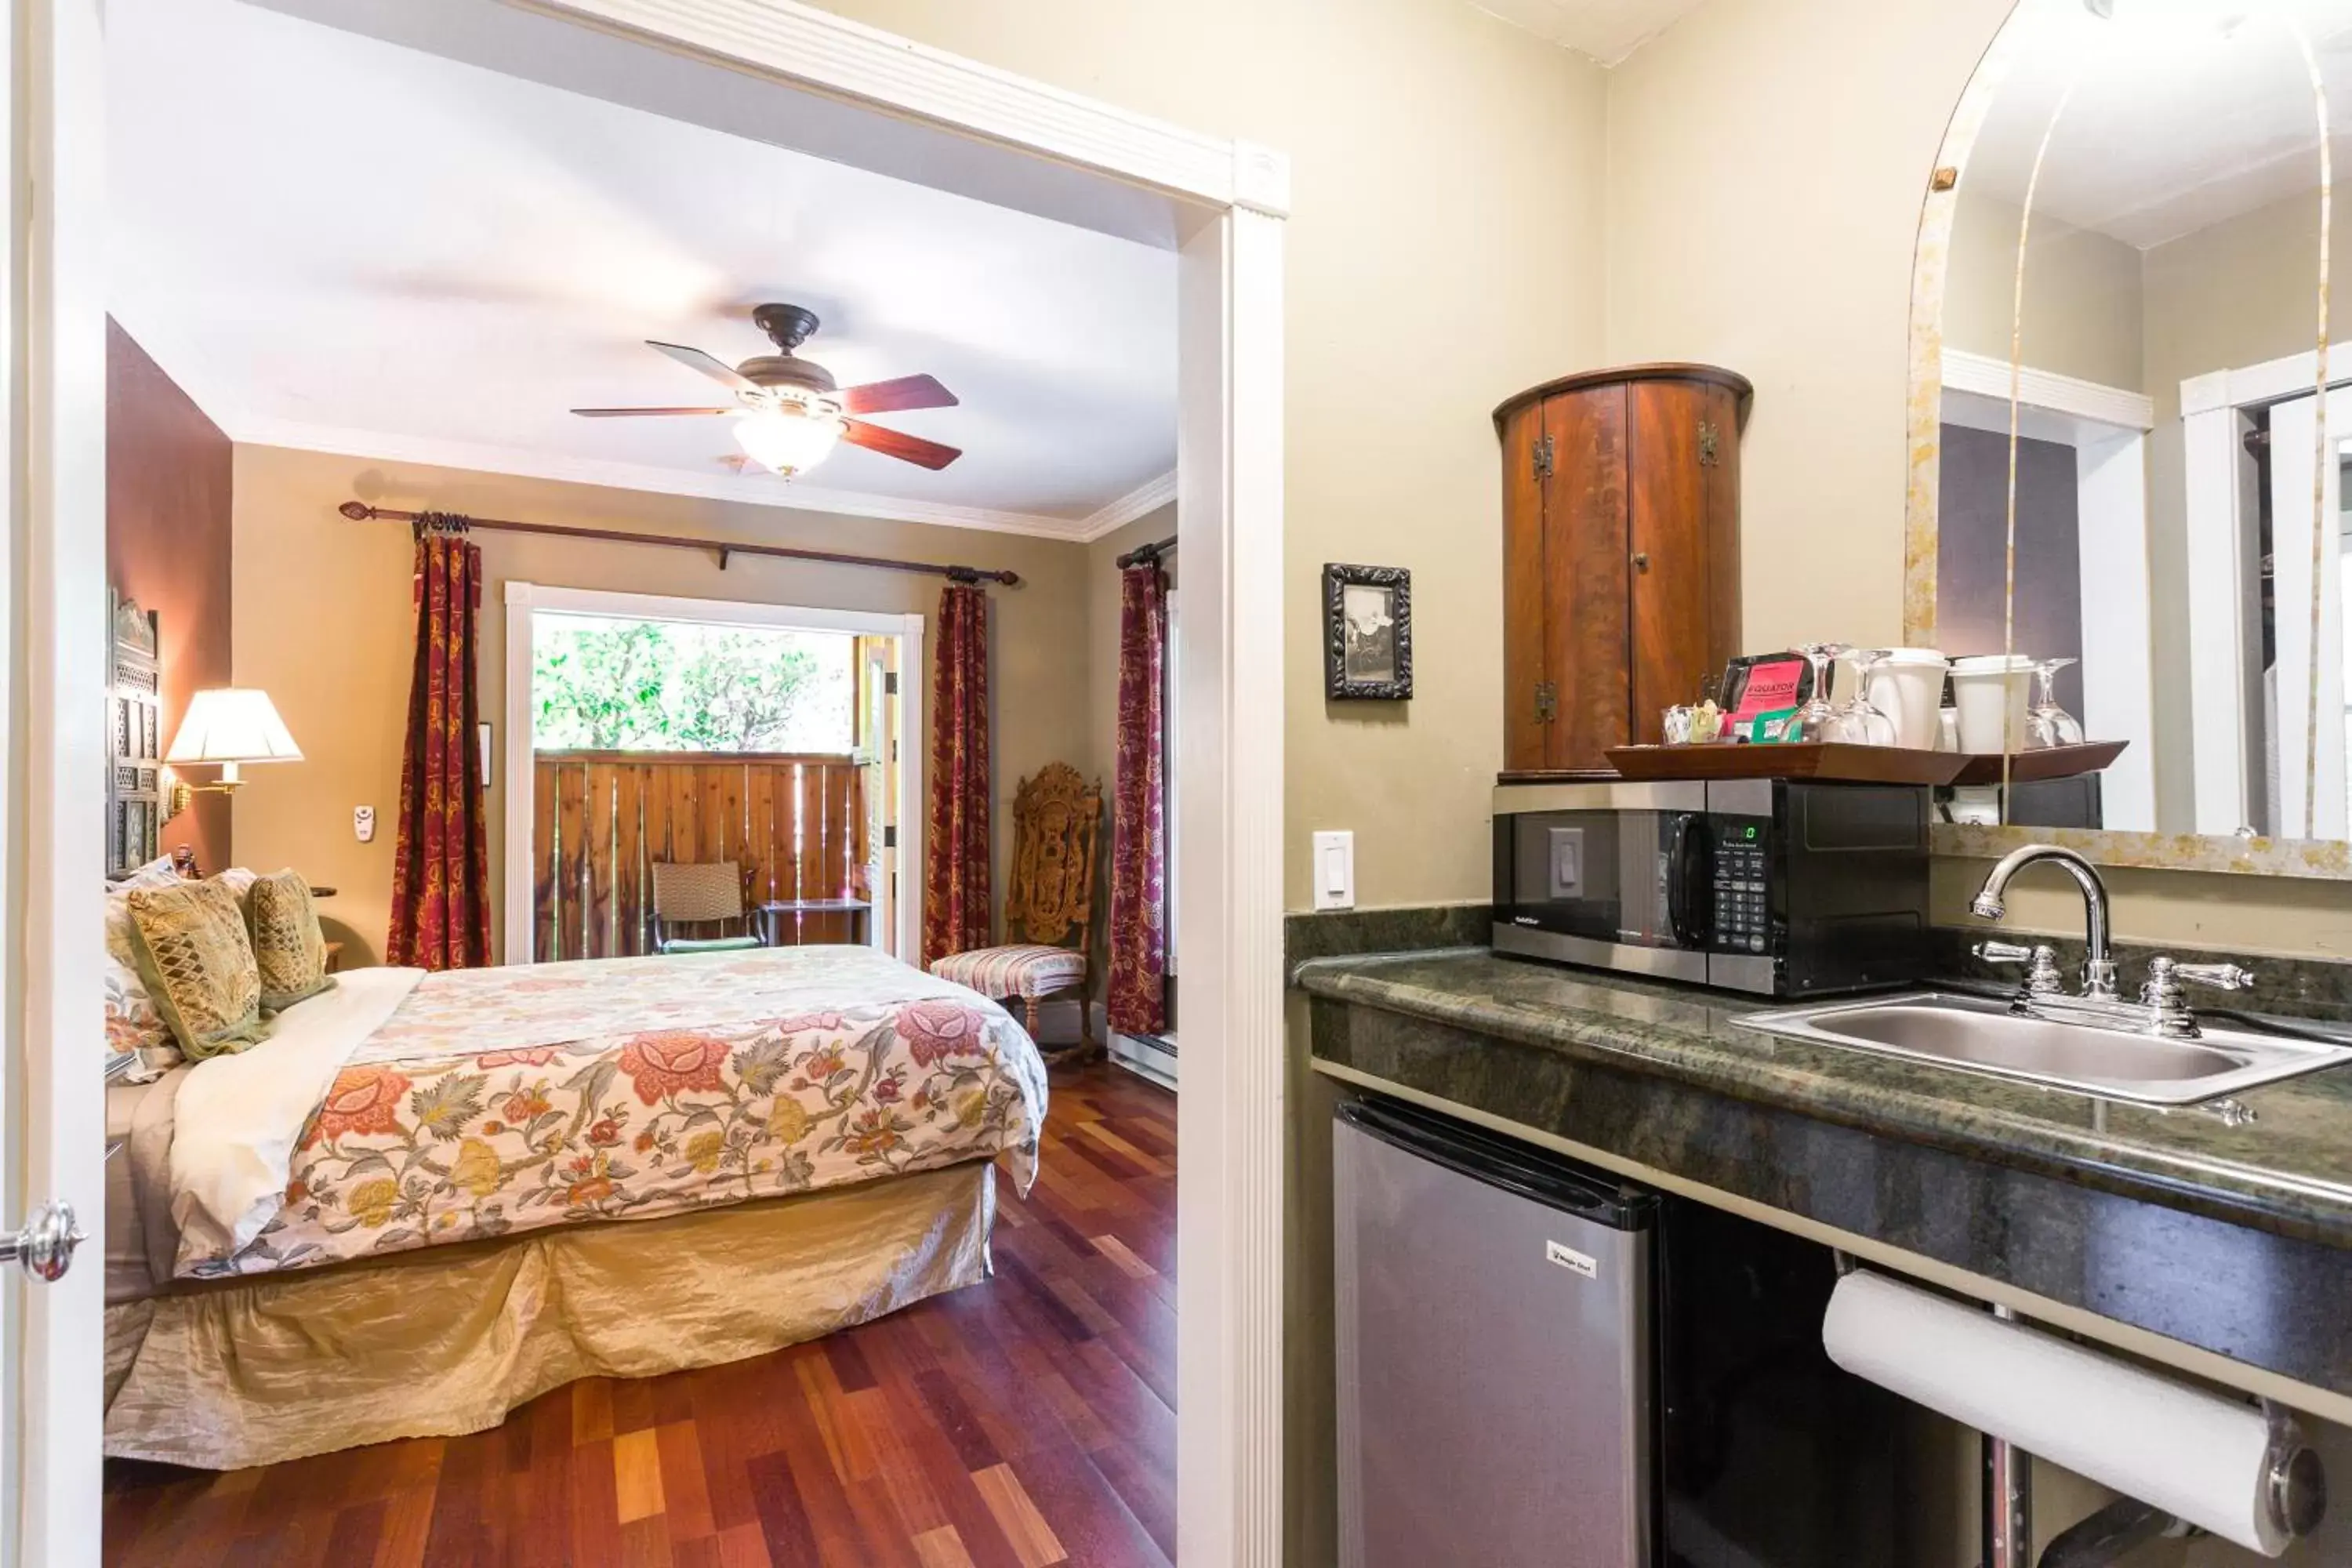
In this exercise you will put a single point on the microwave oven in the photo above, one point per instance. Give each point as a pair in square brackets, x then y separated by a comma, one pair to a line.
[1782, 888]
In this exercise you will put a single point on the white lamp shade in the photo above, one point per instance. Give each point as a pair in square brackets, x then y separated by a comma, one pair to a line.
[787, 440]
[233, 724]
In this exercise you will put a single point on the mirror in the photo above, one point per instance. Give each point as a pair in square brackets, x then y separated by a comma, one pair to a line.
[2126, 453]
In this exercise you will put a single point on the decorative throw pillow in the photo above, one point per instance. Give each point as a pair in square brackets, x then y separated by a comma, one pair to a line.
[133, 1022]
[287, 946]
[197, 964]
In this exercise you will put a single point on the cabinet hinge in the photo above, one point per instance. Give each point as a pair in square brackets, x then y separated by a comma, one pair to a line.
[1707, 443]
[1547, 701]
[1541, 452]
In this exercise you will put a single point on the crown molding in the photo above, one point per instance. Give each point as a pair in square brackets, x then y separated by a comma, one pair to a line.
[756, 490]
[1141, 502]
[1990, 377]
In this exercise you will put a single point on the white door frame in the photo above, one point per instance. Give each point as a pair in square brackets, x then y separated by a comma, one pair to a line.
[1220, 203]
[523, 600]
[2107, 427]
[2222, 580]
[51, 862]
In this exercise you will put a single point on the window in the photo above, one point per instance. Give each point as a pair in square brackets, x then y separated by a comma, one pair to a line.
[606, 683]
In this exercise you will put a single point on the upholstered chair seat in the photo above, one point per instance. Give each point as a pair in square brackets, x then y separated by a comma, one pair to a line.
[1049, 908]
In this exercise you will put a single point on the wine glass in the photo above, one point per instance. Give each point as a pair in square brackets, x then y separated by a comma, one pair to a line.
[2048, 724]
[1817, 719]
[1857, 720]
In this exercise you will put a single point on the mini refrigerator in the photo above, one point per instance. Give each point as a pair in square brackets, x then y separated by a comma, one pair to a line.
[1541, 1366]
[1495, 1357]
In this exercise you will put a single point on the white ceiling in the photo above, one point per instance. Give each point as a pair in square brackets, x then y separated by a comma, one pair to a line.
[1608, 30]
[337, 243]
[2184, 112]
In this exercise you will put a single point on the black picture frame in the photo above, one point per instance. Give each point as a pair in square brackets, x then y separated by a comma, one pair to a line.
[1375, 666]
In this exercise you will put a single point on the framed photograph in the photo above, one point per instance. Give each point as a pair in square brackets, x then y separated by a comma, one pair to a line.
[1367, 632]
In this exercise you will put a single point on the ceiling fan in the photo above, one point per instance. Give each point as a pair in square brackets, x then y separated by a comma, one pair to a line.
[788, 413]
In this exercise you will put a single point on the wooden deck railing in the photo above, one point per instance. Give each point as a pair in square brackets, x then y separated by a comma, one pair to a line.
[601, 819]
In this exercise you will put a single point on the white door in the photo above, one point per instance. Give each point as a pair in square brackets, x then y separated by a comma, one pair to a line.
[52, 631]
[2307, 727]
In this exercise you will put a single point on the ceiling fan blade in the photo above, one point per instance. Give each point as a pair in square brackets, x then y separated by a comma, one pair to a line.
[717, 370]
[892, 396]
[630, 413]
[899, 444]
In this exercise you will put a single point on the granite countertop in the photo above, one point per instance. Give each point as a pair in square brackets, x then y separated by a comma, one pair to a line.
[2289, 1171]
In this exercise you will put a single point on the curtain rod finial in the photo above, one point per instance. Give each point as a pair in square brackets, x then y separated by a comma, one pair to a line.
[358, 511]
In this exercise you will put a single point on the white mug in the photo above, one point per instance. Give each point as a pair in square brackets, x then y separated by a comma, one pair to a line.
[1907, 686]
[1992, 691]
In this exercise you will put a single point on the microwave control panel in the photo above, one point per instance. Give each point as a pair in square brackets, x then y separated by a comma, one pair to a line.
[1743, 911]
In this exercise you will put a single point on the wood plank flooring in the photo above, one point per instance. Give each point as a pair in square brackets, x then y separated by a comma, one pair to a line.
[1026, 1421]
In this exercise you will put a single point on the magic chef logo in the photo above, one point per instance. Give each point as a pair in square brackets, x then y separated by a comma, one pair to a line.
[1575, 1262]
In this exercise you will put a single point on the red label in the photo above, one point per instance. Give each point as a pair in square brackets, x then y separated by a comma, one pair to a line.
[1770, 685]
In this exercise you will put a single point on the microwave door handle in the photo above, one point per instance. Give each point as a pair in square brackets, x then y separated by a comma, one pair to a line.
[1682, 854]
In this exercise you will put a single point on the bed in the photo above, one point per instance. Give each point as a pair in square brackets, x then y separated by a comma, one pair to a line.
[426, 1199]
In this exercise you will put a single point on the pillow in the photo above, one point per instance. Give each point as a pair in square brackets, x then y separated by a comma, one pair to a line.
[133, 1022]
[198, 967]
[288, 949]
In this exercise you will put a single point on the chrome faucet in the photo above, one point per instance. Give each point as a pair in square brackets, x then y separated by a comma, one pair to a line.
[2099, 964]
[2162, 1008]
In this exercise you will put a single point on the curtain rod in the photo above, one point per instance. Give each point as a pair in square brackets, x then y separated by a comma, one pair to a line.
[359, 511]
[1143, 552]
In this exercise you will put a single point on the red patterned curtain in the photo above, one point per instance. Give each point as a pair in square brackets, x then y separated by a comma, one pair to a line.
[955, 886]
[441, 876]
[1138, 1000]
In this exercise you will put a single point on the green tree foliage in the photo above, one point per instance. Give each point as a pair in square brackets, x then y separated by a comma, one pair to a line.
[655, 686]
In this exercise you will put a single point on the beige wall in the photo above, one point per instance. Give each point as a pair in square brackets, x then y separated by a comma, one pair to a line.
[324, 625]
[2083, 300]
[1798, 273]
[1443, 252]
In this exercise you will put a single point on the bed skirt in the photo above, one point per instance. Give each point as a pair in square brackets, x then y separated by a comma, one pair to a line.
[447, 1340]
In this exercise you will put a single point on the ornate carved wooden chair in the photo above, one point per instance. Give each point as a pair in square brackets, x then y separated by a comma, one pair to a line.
[700, 894]
[1049, 908]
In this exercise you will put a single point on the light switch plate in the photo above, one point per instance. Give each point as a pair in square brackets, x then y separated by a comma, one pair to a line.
[363, 823]
[1335, 870]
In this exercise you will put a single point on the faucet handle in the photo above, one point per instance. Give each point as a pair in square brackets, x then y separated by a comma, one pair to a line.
[2221, 976]
[2042, 974]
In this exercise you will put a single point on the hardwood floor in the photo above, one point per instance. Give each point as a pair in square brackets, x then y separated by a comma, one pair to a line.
[1026, 1421]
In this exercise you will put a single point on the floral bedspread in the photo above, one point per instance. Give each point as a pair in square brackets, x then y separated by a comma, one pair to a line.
[501, 1100]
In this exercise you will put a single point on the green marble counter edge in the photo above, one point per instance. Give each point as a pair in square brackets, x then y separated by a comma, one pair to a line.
[2288, 1171]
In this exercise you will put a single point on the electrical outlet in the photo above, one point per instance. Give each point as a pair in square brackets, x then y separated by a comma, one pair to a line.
[363, 823]
[1335, 870]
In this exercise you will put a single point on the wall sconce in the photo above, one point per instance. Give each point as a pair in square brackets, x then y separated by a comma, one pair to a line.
[227, 726]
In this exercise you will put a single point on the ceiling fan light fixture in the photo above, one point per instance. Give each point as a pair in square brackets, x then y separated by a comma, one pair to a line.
[789, 440]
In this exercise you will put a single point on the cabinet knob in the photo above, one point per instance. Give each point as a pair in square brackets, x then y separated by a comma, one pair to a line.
[1641, 560]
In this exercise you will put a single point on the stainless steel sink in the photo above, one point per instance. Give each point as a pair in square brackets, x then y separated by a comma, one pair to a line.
[1978, 1036]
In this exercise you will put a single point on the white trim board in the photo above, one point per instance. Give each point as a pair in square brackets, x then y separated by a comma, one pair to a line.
[1985, 377]
[524, 601]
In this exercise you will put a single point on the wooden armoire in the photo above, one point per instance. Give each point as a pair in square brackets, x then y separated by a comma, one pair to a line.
[1621, 556]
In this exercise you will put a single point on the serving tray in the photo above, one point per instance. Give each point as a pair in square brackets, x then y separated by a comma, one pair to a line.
[2033, 767]
[1829, 759]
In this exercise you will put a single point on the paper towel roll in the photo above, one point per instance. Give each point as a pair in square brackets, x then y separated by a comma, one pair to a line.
[2193, 1454]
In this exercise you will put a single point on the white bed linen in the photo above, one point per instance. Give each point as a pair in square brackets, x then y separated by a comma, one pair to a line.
[238, 1116]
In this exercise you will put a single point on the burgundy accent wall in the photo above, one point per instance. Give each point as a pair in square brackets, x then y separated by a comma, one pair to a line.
[167, 544]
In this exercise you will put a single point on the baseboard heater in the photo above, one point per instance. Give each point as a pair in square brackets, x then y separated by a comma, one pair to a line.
[1147, 1055]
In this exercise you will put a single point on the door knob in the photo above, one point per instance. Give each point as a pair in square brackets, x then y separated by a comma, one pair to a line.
[1641, 560]
[45, 1245]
